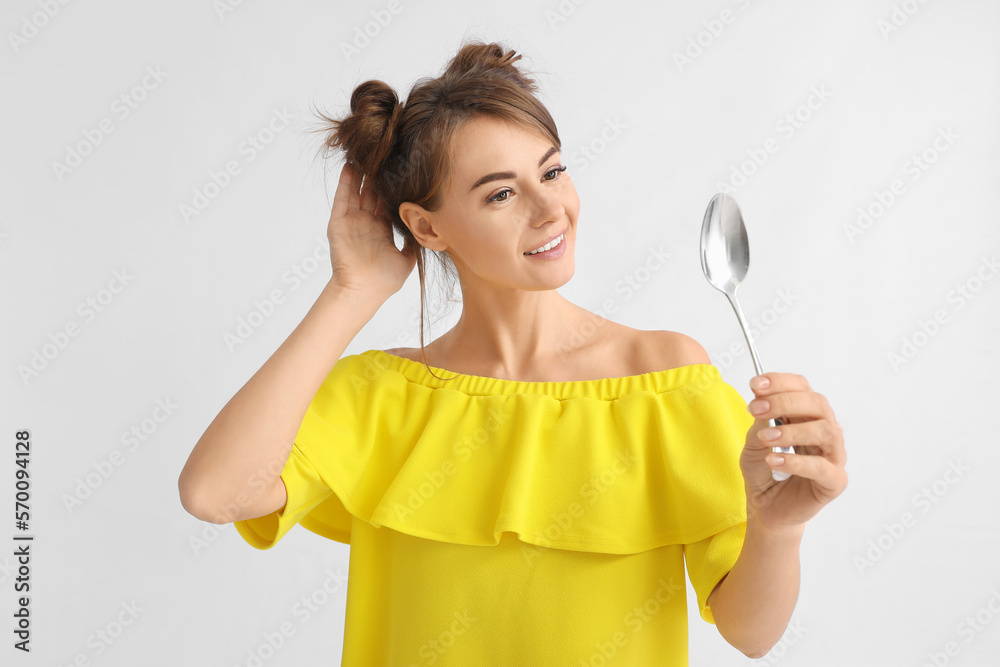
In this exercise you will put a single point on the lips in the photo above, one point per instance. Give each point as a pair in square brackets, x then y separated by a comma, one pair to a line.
[539, 245]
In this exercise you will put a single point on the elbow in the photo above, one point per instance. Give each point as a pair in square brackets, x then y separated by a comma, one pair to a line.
[756, 653]
[193, 501]
[752, 647]
[189, 501]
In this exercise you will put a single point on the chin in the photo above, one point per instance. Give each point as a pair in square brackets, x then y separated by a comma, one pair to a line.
[564, 274]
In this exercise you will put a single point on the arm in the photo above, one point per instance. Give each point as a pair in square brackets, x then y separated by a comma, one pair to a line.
[233, 473]
[753, 604]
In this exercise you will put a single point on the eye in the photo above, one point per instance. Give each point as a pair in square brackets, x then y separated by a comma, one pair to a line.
[496, 197]
[554, 172]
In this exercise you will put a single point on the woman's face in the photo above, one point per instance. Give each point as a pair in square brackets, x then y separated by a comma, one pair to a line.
[506, 196]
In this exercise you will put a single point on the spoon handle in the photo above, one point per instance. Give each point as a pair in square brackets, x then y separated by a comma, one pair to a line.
[776, 475]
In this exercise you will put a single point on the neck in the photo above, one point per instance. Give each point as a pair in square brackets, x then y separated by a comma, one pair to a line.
[515, 332]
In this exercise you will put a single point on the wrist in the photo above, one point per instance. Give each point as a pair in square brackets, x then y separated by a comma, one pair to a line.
[787, 533]
[365, 299]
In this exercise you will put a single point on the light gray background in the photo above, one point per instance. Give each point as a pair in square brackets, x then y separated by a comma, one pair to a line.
[849, 301]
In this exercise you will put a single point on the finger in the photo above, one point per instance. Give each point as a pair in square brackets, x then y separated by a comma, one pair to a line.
[829, 479]
[802, 404]
[819, 437]
[342, 198]
[778, 382]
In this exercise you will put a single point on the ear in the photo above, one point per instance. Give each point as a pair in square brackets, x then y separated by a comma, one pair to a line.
[420, 222]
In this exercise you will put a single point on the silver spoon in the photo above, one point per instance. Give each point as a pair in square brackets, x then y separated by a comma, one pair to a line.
[725, 258]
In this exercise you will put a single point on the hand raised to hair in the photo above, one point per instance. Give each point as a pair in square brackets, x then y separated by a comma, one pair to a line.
[362, 251]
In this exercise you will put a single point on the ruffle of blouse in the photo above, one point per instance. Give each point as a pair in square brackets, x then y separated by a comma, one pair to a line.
[615, 465]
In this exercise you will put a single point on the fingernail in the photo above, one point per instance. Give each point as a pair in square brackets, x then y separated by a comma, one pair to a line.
[762, 382]
[770, 433]
[759, 407]
[775, 460]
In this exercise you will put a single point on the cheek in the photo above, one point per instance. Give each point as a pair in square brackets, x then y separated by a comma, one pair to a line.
[487, 245]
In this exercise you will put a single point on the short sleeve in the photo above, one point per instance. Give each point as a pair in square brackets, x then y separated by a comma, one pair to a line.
[711, 559]
[329, 457]
[721, 498]
[306, 490]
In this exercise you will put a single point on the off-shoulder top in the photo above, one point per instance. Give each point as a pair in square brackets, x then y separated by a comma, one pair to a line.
[501, 522]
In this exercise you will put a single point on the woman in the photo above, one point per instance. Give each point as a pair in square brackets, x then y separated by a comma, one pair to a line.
[527, 488]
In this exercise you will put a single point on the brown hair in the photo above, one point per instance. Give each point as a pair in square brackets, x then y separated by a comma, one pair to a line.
[404, 148]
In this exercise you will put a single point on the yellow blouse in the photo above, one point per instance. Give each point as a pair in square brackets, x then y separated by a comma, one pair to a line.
[499, 522]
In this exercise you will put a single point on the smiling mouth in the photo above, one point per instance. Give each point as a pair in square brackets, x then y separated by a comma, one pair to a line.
[554, 243]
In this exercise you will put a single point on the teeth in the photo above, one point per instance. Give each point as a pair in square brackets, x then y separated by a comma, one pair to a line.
[548, 246]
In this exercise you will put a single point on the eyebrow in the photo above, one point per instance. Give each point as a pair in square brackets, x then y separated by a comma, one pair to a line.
[496, 176]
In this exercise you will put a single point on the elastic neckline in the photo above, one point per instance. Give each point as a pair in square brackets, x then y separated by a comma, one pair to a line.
[600, 388]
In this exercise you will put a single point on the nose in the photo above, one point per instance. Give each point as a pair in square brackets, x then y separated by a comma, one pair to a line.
[547, 206]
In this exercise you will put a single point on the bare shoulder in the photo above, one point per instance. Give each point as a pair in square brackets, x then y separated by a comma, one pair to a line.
[669, 349]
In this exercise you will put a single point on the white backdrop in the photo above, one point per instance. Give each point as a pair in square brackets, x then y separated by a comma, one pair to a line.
[860, 139]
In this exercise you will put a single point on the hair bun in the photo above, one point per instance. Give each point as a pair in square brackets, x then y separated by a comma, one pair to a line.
[492, 59]
[367, 134]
